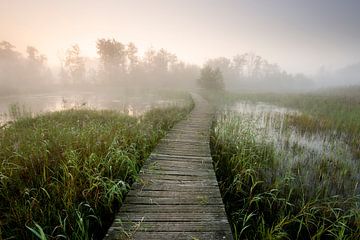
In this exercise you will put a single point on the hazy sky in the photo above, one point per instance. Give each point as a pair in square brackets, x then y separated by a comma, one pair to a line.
[300, 35]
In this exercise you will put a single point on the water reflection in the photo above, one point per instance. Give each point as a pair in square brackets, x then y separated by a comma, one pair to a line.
[270, 120]
[301, 151]
[124, 103]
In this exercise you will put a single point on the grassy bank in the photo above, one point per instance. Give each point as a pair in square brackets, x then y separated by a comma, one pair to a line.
[277, 188]
[64, 174]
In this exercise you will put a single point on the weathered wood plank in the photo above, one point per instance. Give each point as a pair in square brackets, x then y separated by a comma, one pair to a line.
[177, 172]
[172, 235]
[185, 139]
[173, 194]
[204, 226]
[175, 182]
[165, 217]
[181, 235]
[178, 168]
[179, 163]
[179, 188]
[172, 208]
[160, 155]
[171, 177]
[185, 200]
[189, 154]
[184, 148]
[178, 217]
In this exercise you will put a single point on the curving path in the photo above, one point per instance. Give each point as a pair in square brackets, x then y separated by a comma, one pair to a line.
[177, 194]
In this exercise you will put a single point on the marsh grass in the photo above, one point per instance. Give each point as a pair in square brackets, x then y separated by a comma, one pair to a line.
[289, 192]
[63, 175]
[266, 201]
[17, 111]
[335, 110]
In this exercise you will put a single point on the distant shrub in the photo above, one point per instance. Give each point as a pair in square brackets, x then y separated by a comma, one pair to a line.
[211, 79]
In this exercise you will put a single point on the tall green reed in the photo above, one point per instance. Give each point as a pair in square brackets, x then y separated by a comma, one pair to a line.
[63, 175]
[264, 200]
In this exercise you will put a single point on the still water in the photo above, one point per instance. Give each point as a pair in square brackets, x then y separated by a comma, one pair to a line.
[270, 120]
[306, 152]
[126, 103]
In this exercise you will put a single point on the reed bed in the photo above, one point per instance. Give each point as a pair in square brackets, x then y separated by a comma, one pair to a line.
[276, 189]
[334, 110]
[63, 175]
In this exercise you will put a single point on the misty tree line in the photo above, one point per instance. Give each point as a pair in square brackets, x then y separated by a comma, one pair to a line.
[119, 64]
[17, 71]
[250, 71]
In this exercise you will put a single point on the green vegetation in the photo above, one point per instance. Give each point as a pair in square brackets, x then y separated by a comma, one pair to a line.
[211, 79]
[278, 188]
[333, 110]
[63, 175]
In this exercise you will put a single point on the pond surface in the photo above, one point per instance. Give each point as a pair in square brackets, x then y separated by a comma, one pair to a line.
[126, 103]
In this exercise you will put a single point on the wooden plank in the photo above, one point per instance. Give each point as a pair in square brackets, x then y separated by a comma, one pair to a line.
[184, 153]
[180, 156]
[196, 208]
[185, 149]
[207, 226]
[178, 217]
[177, 172]
[195, 150]
[184, 141]
[183, 168]
[185, 200]
[180, 163]
[182, 147]
[179, 166]
[180, 160]
[176, 194]
[179, 188]
[171, 177]
[175, 182]
[181, 235]
[171, 235]
[173, 194]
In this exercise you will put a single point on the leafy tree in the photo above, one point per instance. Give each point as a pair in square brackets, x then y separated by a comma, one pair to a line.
[113, 58]
[7, 51]
[132, 58]
[75, 65]
[19, 73]
[36, 66]
[164, 60]
[10, 64]
[211, 79]
[35, 56]
[159, 61]
[226, 67]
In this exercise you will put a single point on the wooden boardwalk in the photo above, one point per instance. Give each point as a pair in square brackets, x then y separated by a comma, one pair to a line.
[177, 196]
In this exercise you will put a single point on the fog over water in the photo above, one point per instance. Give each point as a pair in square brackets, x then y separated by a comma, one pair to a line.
[90, 88]
[263, 45]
